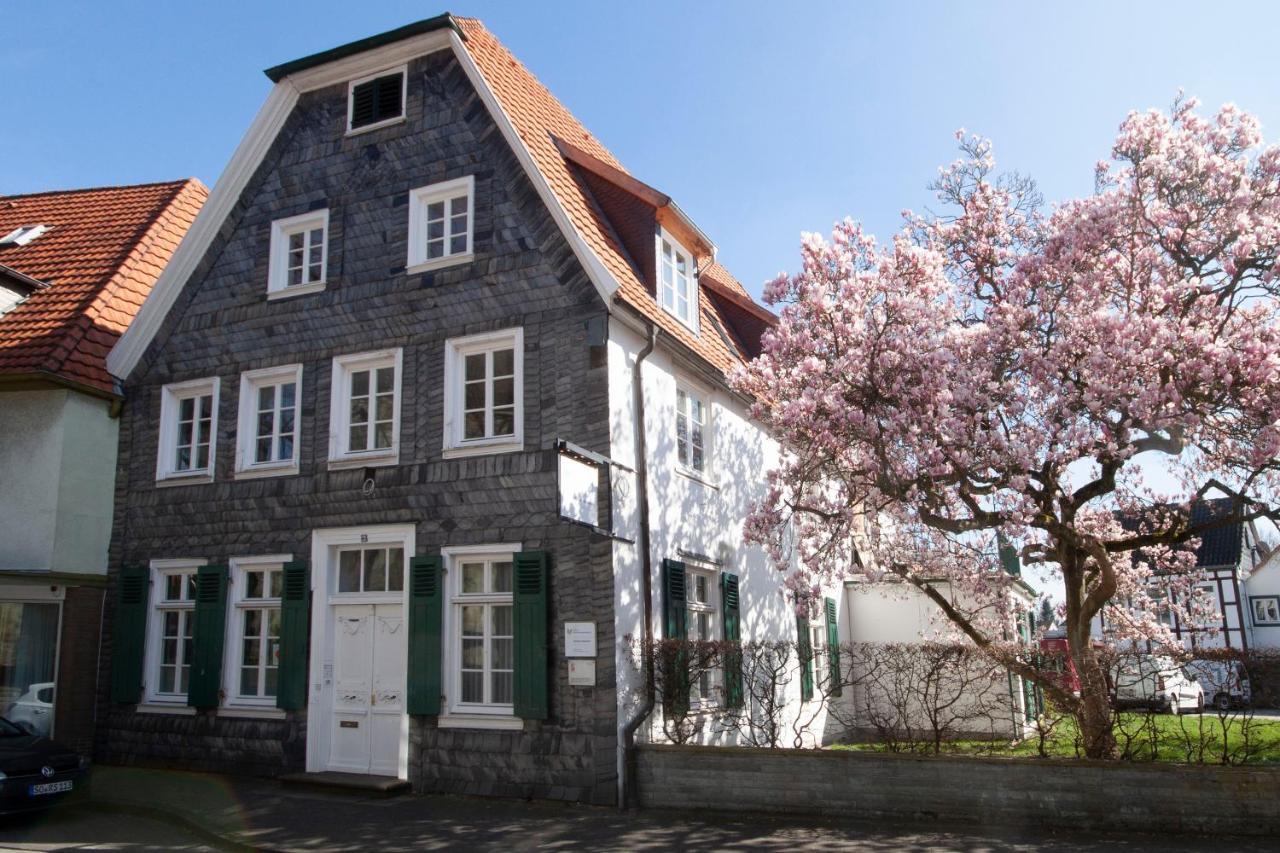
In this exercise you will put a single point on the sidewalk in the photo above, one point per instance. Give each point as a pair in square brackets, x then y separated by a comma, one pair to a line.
[246, 813]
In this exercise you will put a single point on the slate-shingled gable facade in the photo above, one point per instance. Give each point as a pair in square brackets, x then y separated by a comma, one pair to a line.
[524, 274]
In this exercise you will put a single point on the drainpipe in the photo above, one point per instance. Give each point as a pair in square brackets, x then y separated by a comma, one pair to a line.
[626, 748]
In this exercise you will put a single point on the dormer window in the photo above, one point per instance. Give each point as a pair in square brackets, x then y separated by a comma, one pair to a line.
[376, 101]
[23, 235]
[677, 281]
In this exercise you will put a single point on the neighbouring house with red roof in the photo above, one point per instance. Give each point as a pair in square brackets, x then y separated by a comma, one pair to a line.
[426, 423]
[75, 266]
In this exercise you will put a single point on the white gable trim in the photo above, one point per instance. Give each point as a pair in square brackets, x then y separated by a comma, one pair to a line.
[606, 285]
[128, 351]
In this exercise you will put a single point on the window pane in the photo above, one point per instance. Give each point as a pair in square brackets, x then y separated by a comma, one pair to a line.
[504, 422]
[287, 392]
[252, 623]
[266, 423]
[473, 621]
[473, 654]
[502, 687]
[504, 392]
[502, 620]
[253, 585]
[359, 410]
[503, 653]
[167, 675]
[169, 652]
[474, 396]
[251, 648]
[360, 383]
[435, 210]
[473, 577]
[286, 448]
[386, 380]
[472, 686]
[375, 571]
[504, 362]
[173, 587]
[473, 425]
[382, 436]
[435, 230]
[262, 450]
[457, 245]
[700, 588]
[349, 571]
[359, 439]
[248, 681]
[276, 585]
[395, 569]
[475, 367]
[458, 205]
[502, 577]
[186, 409]
[270, 688]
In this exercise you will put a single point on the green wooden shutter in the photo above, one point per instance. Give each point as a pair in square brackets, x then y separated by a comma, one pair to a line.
[531, 634]
[804, 649]
[295, 615]
[673, 600]
[208, 637]
[833, 647]
[675, 661]
[729, 607]
[426, 634]
[130, 634]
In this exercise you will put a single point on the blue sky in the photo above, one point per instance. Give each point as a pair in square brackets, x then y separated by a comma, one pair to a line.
[762, 120]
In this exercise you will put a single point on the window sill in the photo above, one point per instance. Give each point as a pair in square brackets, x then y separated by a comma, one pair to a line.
[479, 721]
[295, 290]
[464, 450]
[356, 131]
[701, 479]
[258, 472]
[382, 460]
[165, 480]
[439, 263]
[252, 712]
[154, 707]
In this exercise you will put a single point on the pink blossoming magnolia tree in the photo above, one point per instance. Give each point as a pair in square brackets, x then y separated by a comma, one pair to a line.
[1000, 372]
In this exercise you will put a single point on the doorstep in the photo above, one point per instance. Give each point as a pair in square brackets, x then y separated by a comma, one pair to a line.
[355, 783]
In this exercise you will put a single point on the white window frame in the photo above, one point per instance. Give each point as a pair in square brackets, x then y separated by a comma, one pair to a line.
[690, 389]
[456, 713]
[711, 609]
[251, 381]
[403, 71]
[278, 286]
[340, 409]
[235, 628]
[455, 352]
[1264, 600]
[673, 309]
[171, 396]
[160, 570]
[419, 199]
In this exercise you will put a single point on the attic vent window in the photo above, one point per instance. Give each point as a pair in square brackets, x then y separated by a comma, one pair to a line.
[23, 235]
[677, 287]
[376, 101]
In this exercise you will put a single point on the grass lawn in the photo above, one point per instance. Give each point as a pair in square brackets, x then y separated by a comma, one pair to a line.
[1142, 737]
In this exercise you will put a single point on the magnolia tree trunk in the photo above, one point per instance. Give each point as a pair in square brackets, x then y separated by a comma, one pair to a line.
[1093, 713]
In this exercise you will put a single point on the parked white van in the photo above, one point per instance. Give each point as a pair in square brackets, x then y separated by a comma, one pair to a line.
[1157, 682]
[1225, 683]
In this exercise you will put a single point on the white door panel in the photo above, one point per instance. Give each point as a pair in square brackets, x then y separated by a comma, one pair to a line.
[387, 700]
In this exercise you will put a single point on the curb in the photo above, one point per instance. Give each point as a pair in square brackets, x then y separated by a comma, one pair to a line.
[212, 837]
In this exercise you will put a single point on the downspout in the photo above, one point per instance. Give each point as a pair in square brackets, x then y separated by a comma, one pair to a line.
[626, 748]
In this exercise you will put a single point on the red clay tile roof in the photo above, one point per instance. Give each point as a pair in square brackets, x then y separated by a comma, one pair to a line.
[103, 251]
[539, 118]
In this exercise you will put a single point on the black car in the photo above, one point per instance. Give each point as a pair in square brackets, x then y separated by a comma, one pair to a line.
[35, 772]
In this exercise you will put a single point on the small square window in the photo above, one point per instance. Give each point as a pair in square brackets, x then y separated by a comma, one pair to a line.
[365, 407]
[484, 398]
[441, 224]
[188, 429]
[298, 262]
[1266, 609]
[269, 428]
[376, 100]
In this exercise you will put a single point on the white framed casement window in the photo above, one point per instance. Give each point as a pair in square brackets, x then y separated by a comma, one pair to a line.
[364, 411]
[677, 281]
[188, 430]
[693, 430]
[1266, 609]
[702, 601]
[252, 666]
[170, 628]
[480, 637]
[299, 258]
[484, 393]
[376, 100]
[268, 431]
[441, 224]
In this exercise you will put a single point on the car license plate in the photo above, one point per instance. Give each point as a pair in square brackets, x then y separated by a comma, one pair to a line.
[49, 788]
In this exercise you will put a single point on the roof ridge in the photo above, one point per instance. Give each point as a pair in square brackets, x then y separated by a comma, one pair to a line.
[102, 188]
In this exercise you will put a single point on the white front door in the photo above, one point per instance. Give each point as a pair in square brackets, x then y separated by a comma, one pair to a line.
[369, 642]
